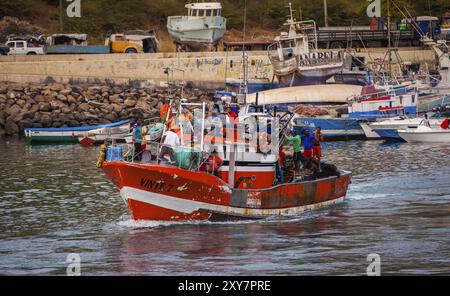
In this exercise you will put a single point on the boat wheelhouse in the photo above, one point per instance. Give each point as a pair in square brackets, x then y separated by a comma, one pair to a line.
[201, 29]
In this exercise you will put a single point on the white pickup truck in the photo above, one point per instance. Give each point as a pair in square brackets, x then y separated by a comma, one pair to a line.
[22, 47]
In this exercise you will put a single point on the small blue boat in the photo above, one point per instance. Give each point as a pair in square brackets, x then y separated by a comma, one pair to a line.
[332, 128]
[364, 108]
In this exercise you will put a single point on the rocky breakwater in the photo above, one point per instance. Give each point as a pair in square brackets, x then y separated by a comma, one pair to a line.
[59, 105]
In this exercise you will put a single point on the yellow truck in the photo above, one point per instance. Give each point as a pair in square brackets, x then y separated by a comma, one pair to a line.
[136, 41]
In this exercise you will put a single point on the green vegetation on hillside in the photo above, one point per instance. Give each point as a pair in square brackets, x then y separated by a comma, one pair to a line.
[100, 17]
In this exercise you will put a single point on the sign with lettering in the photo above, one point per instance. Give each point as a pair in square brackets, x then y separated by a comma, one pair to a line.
[74, 8]
[374, 8]
[153, 185]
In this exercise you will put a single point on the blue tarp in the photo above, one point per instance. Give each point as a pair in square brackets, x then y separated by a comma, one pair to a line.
[78, 128]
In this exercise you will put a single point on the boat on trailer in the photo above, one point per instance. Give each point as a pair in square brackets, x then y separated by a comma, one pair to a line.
[65, 134]
[246, 186]
[293, 61]
[201, 29]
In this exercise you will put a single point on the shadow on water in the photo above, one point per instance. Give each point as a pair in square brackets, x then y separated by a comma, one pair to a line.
[53, 201]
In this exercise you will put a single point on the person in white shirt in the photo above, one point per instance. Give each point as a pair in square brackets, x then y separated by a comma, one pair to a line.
[170, 141]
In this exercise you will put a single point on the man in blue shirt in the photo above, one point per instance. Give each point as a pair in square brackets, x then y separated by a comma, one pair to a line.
[308, 143]
[137, 139]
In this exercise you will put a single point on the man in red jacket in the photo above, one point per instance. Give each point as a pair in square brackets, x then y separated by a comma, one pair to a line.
[446, 123]
[212, 164]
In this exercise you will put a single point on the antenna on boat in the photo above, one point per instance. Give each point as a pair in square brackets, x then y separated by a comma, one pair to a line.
[244, 85]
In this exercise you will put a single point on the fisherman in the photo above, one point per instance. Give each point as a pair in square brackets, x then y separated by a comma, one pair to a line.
[164, 111]
[296, 143]
[170, 141]
[426, 121]
[137, 139]
[280, 165]
[213, 163]
[144, 139]
[446, 123]
[232, 115]
[308, 142]
[318, 138]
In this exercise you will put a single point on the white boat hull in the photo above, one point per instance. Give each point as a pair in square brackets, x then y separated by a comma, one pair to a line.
[425, 135]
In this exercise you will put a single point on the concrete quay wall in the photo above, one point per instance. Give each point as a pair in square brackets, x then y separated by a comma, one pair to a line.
[204, 69]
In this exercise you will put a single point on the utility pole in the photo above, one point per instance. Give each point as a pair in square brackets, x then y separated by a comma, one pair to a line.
[325, 12]
[60, 16]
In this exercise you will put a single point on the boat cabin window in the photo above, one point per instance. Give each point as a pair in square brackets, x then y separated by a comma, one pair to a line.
[287, 44]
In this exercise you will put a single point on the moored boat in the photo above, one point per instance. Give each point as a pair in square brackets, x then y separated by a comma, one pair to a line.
[367, 107]
[388, 128]
[425, 134]
[98, 136]
[64, 135]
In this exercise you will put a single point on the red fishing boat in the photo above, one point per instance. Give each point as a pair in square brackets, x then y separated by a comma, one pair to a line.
[246, 186]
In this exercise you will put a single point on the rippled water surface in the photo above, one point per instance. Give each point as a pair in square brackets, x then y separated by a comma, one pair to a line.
[53, 201]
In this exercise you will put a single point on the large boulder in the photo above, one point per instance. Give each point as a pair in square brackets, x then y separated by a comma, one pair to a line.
[45, 107]
[55, 87]
[11, 95]
[71, 99]
[35, 108]
[65, 118]
[84, 107]
[117, 108]
[129, 103]
[65, 91]
[61, 97]
[116, 99]
[15, 118]
[28, 115]
[11, 128]
[46, 119]
[111, 116]
[25, 123]
[13, 110]
[40, 98]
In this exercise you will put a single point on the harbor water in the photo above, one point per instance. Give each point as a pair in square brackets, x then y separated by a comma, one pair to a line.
[54, 201]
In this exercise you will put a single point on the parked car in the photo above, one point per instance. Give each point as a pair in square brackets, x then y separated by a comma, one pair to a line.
[4, 49]
[135, 41]
[22, 47]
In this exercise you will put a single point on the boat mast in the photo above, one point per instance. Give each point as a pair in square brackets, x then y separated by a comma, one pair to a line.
[325, 12]
[389, 36]
[244, 85]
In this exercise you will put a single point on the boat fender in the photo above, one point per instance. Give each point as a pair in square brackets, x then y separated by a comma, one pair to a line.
[101, 158]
